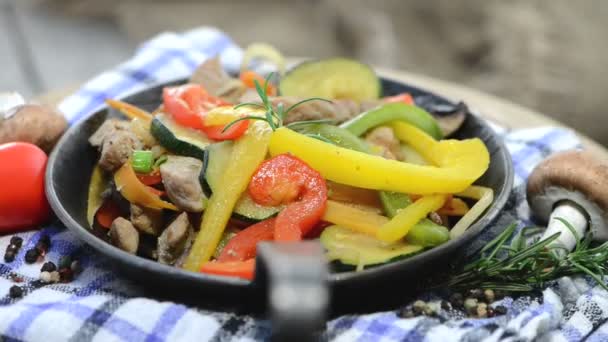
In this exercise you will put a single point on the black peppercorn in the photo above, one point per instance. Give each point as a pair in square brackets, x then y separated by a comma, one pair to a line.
[15, 291]
[43, 244]
[17, 241]
[477, 294]
[9, 257]
[66, 275]
[500, 310]
[48, 267]
[31, 256]
[445, 305]
[12, 248]
[64, 262]
[76, 267]
[457, 300]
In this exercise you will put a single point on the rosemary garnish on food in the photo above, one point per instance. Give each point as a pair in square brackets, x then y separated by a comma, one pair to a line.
[275, 117]
[520, 266]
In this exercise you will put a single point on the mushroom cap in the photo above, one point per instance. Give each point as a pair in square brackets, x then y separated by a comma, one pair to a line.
[575, 176]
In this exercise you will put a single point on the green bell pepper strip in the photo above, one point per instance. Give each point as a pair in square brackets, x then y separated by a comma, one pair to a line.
[389, 112]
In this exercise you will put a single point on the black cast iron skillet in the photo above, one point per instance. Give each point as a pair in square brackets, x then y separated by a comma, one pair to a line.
[293, 279]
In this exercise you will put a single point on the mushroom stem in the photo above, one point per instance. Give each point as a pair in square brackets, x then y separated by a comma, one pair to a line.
[571, 213]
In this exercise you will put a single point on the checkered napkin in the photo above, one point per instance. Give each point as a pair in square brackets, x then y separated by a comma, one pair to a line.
[102, 306]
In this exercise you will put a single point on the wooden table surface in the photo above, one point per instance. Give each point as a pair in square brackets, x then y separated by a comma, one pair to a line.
[501, 111]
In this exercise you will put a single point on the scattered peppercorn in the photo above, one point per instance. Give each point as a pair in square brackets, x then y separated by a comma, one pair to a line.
[498, 294]
[64, 262]
[15, 292]
[470, 305]
[500, 310]
[45, 277]
[428, 311]
[66, 275]
[16, 278]
[406, 313]
[490, 312]
[445, 305]
[457, 300]
[43, 245]
[482, 310]
[76, 267]
[477, 294]
[489, 295]
[48, 266]
[17, 241]
[418, 307]
[31, 256]
[9, 257]
[55, 277]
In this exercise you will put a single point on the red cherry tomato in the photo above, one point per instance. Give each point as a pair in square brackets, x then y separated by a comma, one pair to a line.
[23, 203]
[286, 179]
[244, 244]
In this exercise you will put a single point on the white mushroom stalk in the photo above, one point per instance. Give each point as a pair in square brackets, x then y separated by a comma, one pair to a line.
[9, 102]
[571, 188]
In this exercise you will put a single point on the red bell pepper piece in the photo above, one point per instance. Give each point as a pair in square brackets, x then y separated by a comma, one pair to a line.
[243, 245]
[286, 179]
[405, 98]
[150, 178]
[241, 269]
[189, 103]
[107, 213]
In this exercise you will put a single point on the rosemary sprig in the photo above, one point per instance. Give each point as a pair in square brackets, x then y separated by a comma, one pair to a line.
[520, 266]
[276, 117]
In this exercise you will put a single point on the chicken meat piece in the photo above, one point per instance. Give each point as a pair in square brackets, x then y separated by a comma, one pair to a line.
[109, 127]
[338, 110]
[146, 220]
[384, 138]
[175, 240]
[116, 143]
[211, 75]
[124, 236]
[181, 179]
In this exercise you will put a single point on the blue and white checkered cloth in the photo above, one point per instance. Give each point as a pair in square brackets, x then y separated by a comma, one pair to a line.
[99, 305]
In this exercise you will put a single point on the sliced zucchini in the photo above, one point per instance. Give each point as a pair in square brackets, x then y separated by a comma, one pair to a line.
[178, 139]
[357, 249]
[246, 209]
[334, 78]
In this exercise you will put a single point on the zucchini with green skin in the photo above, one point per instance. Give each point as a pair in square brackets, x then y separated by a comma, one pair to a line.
[334, 78]
[358, 249]
[178, 139]
[246, 209]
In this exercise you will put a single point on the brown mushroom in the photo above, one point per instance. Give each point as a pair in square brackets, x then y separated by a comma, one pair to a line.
[174, 240]
[36, 124]
[124, 235]
[573, 186]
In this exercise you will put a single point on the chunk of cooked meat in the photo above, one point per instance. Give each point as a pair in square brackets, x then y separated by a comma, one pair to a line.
[337, 110]
[211, 75]
[124, 235]
[384, 138]
[180, 177]
[109, 127]
[116, 143]
[149, 221]
[176, 238]
[117, 148]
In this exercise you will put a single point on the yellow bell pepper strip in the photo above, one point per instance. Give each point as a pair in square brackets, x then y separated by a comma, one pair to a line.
[398, 227]
[99, 183]
[129, 110]
[424, 233]
[247, 154]
[135, 191]
[223, 115]
[459, 163]
[484, 197]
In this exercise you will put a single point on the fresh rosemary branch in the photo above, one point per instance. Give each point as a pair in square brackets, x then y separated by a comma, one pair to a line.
[276, 117]
[520, 266]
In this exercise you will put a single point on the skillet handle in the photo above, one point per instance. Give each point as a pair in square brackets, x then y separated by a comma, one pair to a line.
[298, 293]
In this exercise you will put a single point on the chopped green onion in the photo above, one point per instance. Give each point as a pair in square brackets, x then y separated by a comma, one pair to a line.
[142, 161]
[161, 160]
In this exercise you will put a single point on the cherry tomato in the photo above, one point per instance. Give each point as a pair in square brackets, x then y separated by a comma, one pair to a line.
[23, 203]
[242, 269]
[243, 245]
[405, 98]
[286, 179]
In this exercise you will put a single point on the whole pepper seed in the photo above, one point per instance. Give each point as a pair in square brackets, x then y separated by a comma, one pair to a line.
[445, 305]
[43, 245]
[9, 257]
[500, 310]
[65, 275]
[15, 291]
[489, 295]
[64, 262]
[406, 313]
[55, 277]
[31, 256]
[490, 312]
[48, 266]
[470, 305]
[419, 307]
[428, 311]
[12, 248]
[482, 310]
[76, 267]
[477, 294]
[45, 277]
[457, 300]
[17, 241]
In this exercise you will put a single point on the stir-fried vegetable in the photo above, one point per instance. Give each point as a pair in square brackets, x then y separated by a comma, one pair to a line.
[249, 151]
[285, 179]
[263, 51]
[460, 162]
[129, 110]
[398, 227]
[135, 192]
[404, 97]
[99, 183]
[484, 197]
[390, 112]
[142, 161]
[240, 269]
[243, 245]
